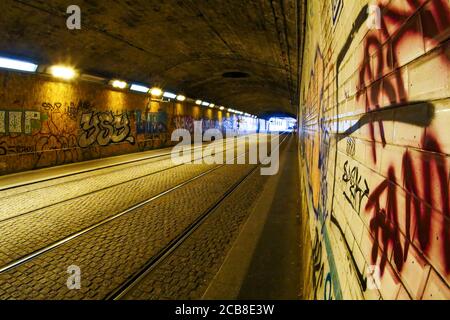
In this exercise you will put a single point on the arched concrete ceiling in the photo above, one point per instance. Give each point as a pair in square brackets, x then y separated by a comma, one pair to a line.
[184, 46]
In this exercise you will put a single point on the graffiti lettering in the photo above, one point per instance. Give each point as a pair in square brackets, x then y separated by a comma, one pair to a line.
[385, 222]
[8, 149]
[104, 128]
[15, 121]
[184, 122]
[351, 147]
[356, 193]
[56, 150]
[337, 9]
[55, 107]
[19, 122]
[151, 122]
[2, 122]
[318, 265]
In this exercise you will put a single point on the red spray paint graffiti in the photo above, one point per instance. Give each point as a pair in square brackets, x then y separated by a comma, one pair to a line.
[424, 177]
[381, 55]
[418, 201]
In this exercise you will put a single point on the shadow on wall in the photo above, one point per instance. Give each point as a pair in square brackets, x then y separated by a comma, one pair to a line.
[420, 222]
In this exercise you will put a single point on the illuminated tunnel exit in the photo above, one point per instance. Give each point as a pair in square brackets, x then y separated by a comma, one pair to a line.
[282, 124]
[225, 150]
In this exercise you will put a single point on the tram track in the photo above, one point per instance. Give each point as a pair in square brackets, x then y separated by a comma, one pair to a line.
[37, 253]
[157, 259]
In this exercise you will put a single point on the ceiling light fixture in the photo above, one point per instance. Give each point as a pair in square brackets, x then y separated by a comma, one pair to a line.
[156, 92]
[13, 64]
[119, 84]
[63, 72]
[139, 88]
[169, 95]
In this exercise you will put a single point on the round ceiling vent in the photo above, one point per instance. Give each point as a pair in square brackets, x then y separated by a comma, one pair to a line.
[235, 75]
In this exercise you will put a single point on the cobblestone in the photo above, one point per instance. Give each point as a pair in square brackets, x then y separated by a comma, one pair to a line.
[111, 253]
[28, 233]
[202, 254]
[126, 243]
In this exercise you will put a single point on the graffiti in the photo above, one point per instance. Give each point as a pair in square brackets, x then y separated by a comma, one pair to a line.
[151, 122]
[385, 222]
[385, 216]
[315, 146]
[32, 121]
[324, 151]
[2, 122]
[71, 109]
[380, 88]
[361, 277]
[318, 265]
[56, 142]
[6, 149]
[53, 136]
[351, 147]
[15, 121]
[56, 150]
[210, 124]
[357, 191]
[19, 122]
[337, 7]
[55, 107]
[425, 196]
[45, 142]
[387, 60]
[228, 124]
[327, 290]
[104, 128]
[184, 122]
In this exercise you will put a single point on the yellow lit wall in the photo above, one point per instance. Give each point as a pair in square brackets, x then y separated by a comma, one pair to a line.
[374, 121]
[44, 122]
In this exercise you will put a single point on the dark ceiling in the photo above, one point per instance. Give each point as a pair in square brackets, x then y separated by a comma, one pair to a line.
[185, 46]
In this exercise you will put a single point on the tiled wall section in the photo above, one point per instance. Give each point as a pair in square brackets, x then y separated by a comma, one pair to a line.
[375, 144]
[45, 123]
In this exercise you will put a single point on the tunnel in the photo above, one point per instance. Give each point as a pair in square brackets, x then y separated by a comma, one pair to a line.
[212, 150]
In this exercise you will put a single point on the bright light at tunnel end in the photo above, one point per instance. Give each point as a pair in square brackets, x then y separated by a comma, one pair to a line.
[255, 143]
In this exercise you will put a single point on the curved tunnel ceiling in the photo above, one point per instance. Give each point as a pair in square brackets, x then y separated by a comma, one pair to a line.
[183, 46]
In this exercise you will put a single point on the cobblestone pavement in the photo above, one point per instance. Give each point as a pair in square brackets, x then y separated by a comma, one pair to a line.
[187, 272]
[37, 196]
[27, 233]
[109, 254]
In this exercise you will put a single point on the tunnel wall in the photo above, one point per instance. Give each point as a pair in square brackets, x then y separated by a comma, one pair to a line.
[46, 123]
[374, 146]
